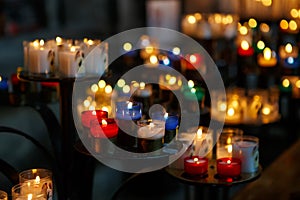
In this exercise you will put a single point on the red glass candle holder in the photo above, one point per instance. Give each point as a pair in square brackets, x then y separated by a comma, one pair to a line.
[104, 128]
[89, 115]
[229, 167]
[101, 129]
[196, 165]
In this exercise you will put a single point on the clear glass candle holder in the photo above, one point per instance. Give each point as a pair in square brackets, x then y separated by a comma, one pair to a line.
[3, 195]
[28, 191]
[40, 178]
[225, 142]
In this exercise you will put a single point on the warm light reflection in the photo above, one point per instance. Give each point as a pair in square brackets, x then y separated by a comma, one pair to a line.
[266, 110]
[176, 50]
[260, 45]
[153, 59]
[191, 83]
[126, 89]
[288, 48]
[245, 45]
[243, 30]
[264, 27]
[294, 13]
[193, 59]
[191, 19]
[108, 89]
[198, 16]
[94, 88]
[267, 53]
[104, 122]
[297, 83]
[266, 2]
[284, 24]
[101, 84]
[293, 25]
[127, 46]
[121, 83]
[286, 83]
[252, 23]
[230, 112]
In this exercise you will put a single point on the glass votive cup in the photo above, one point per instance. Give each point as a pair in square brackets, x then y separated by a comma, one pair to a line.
[196, 165]
[40, 178]
[229, 167]
[150, 135]
[203, 141]
[225, 139]
[104, 135]
[245, 148]
[3, 195]
[29, 191]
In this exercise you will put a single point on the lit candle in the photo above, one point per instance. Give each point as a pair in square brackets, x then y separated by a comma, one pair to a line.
[89, 115]
[229, 167]
[245, 49]
[37, 182]
[267, 59]
[127, 113]
[128, 110]
[196, 165]
[150, 135]
[101, 128]
[70, 61]
[288, 51]
[203, 142]
[41, 58]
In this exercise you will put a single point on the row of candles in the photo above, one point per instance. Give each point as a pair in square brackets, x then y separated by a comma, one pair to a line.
[236, 153]
[73, 58]
[256, 106]
[34, 184]
[127, 129]
[65, 56]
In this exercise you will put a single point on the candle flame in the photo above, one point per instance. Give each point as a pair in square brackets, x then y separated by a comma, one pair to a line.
[191, 84]
[172, 80]
[286, 83]
[42, 42]
[196, 159]
[230, 112]
[37, 180]
[193, 59]
[166, 115]
[245, 45]
[142, 85]
[199, 133]
[129, 105]
[104, 108]
[90, 42]
[267, 53]
[153, 59]
[73, 49]
[58, 40]
[288, 48]
[266, 110]
[104, 122]
[229, 148]
[29, 197]
[228, 162]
